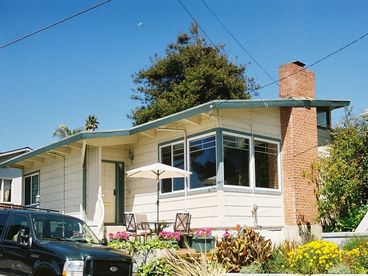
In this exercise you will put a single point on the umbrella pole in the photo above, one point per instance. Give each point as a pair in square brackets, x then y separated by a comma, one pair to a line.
[158, 199]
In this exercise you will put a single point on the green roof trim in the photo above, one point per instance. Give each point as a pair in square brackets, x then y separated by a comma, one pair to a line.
[206, 107]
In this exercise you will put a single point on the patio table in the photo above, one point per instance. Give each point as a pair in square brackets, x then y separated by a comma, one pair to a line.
[158, 226]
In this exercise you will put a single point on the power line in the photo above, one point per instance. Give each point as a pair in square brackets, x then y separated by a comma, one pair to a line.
[317, 61]
[199, 26]
[54, 24]
[236, 40]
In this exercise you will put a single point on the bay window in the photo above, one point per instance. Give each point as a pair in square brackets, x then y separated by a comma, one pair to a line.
[251, 163]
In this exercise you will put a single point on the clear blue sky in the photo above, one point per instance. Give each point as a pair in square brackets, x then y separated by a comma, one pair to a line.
[85, 65]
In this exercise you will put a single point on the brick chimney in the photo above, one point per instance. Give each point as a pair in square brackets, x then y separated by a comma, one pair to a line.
[299, 149]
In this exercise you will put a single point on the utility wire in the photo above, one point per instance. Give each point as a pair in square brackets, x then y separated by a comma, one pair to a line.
[317, 61]
[54, 24]
[236, 40]
[199, 26]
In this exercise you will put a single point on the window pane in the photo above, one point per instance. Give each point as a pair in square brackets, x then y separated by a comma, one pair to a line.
[27, 188]
[35, 188]
[178, 162]
[203, 162]
[18, 222]
[7, 190]
[236, 160]
[3, 218]
[173, 155]
[266, 164]
[166, 184]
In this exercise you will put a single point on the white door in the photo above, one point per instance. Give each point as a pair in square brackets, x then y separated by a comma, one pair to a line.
[108, 190]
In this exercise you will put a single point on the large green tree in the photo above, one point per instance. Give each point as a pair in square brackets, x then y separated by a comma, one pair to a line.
[191, 73]
[342, 176]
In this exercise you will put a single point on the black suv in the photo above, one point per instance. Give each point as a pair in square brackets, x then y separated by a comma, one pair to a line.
[44, 243]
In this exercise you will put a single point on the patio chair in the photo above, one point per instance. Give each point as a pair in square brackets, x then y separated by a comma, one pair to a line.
[182, 225]
[133, 227]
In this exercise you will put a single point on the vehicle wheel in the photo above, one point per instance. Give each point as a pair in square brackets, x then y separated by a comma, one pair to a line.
[44, 272]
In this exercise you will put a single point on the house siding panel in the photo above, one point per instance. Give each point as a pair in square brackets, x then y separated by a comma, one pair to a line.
[51, 183]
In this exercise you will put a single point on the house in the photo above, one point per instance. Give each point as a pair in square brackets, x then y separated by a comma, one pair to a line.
[11, 178]
[246, 159]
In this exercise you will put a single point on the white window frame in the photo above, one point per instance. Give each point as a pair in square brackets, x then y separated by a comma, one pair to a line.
[2, 184]
[250, 187]
[188, 158]
[278, 165]
[172, 159]
[31, 188]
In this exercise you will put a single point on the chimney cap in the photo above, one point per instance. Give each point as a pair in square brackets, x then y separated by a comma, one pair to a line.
[299, 63]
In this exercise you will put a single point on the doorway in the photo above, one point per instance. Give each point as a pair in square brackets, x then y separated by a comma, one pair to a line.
[113, 191]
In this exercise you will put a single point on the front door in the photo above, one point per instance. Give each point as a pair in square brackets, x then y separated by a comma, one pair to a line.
[109, 190]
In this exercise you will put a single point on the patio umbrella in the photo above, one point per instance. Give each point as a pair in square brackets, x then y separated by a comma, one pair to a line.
[158, 171]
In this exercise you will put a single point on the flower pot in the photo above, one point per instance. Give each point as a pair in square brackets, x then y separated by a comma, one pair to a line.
[203, 244]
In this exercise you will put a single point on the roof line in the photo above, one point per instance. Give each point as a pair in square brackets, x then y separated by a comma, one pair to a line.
[206, 107]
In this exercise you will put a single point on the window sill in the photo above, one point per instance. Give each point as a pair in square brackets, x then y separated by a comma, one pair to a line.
[190, 192]
[247, 190]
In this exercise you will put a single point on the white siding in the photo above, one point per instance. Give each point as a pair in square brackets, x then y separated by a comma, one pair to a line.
[260, 121]
[92, 183]
[53, 175]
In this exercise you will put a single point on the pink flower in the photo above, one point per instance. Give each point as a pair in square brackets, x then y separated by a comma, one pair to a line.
[119, 236]
[203, 232]
[169, 236]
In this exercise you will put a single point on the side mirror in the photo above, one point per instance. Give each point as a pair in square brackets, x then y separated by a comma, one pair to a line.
[23, 238]
[104, 241]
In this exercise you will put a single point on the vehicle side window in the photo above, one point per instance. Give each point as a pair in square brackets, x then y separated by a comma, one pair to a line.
[3, 218]
[16, 223]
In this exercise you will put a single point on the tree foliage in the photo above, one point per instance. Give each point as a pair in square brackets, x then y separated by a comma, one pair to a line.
[342, 176]
[63, 131]
[191, 73]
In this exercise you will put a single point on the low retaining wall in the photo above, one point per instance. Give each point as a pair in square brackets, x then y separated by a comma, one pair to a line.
[340, 237]
[270, 274]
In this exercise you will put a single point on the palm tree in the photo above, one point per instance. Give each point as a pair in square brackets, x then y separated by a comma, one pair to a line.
[91, 123]
[64, 131]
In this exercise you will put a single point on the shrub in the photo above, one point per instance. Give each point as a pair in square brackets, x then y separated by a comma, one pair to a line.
[252, 269]
[339, 269]
[278, 262]
[242, 249]
[315, 257]
[192, 266]
[155, 267]
[356, 254]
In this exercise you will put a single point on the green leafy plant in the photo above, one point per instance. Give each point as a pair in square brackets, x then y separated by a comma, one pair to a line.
[133, 246]
[356, 254]
[339, 269]
[158, 266]
[342, 177]
[242, 249]
[278, 261]
[252, 269]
